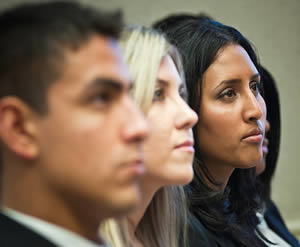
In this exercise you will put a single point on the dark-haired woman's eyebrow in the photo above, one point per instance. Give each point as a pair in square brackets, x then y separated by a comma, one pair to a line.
[228, 82]
[255, 77]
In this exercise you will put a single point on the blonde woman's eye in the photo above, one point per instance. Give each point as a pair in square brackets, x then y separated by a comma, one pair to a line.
[183, 94]
[158, 94]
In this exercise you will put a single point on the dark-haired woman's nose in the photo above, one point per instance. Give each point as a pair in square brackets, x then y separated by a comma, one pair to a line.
[254, 107]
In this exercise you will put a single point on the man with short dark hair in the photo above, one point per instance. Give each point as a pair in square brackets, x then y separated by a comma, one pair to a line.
[70, 134]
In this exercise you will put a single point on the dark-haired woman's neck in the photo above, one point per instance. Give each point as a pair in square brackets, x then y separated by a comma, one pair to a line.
[220, 173]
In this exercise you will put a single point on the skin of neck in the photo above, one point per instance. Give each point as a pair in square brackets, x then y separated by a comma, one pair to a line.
[149, 187]
[148, 190]
[220, 172]
[27, 196]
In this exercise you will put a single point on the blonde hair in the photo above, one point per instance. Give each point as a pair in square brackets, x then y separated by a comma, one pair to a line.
[143, 49]
[115, 232]
[165, 219]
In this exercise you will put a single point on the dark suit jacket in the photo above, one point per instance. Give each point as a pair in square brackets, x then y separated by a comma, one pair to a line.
[13, 234]
[276, 223]
[200, 236]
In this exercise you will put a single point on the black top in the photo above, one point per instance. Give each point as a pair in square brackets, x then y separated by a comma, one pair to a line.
[199, 235]
[13, 234]
[276, 223]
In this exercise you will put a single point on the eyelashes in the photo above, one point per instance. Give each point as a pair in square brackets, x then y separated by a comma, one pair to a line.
[104, 98]
[161, 93]
[183, 93]
[229, 93]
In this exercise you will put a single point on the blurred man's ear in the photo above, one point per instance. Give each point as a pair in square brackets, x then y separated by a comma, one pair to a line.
[18, 128]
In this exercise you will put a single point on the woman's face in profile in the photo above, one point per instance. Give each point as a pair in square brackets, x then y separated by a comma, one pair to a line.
[169, 149]
[261, 166]
[232, 113]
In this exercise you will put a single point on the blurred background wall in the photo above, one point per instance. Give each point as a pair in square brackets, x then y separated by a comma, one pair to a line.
[274, 28]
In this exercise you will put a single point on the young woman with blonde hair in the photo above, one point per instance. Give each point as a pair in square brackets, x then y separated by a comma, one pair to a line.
[159, 89]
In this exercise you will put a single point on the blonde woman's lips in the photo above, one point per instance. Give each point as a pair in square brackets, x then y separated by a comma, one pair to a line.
[187, 146]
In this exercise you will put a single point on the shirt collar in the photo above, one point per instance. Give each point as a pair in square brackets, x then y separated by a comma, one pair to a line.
[56, 234]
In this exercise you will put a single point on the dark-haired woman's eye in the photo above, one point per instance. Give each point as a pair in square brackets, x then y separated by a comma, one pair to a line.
[228, 93]
[255, 87]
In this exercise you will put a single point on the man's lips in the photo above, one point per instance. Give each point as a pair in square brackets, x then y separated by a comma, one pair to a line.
[136, 166]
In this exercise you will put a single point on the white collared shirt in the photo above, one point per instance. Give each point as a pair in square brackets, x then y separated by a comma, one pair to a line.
[55, 234]
[269, 233]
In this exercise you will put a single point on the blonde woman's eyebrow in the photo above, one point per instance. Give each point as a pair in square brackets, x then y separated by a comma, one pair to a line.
[162, 82]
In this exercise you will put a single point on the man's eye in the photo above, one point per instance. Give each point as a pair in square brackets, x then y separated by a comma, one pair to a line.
[103, 97]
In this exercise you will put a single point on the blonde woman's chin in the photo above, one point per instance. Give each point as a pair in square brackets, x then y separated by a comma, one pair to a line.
[181, 175]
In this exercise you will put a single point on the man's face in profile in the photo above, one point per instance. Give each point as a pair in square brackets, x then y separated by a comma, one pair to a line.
[90, 140]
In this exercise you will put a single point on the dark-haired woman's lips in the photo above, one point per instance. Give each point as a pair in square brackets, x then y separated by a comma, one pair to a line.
[254, 136]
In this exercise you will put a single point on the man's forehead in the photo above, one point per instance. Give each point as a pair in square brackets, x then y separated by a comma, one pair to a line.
[113, 61]
[100, 55]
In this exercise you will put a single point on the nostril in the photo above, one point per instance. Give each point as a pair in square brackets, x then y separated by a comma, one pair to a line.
[253, 119]
[139, 139]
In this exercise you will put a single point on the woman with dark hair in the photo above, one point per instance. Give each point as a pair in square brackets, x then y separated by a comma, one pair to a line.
[272, 225]
[224, 88]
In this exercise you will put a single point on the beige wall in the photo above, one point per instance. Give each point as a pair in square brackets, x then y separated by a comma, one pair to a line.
[273, 26]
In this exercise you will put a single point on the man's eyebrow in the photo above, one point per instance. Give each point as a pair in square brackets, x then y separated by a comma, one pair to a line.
[108, 83]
